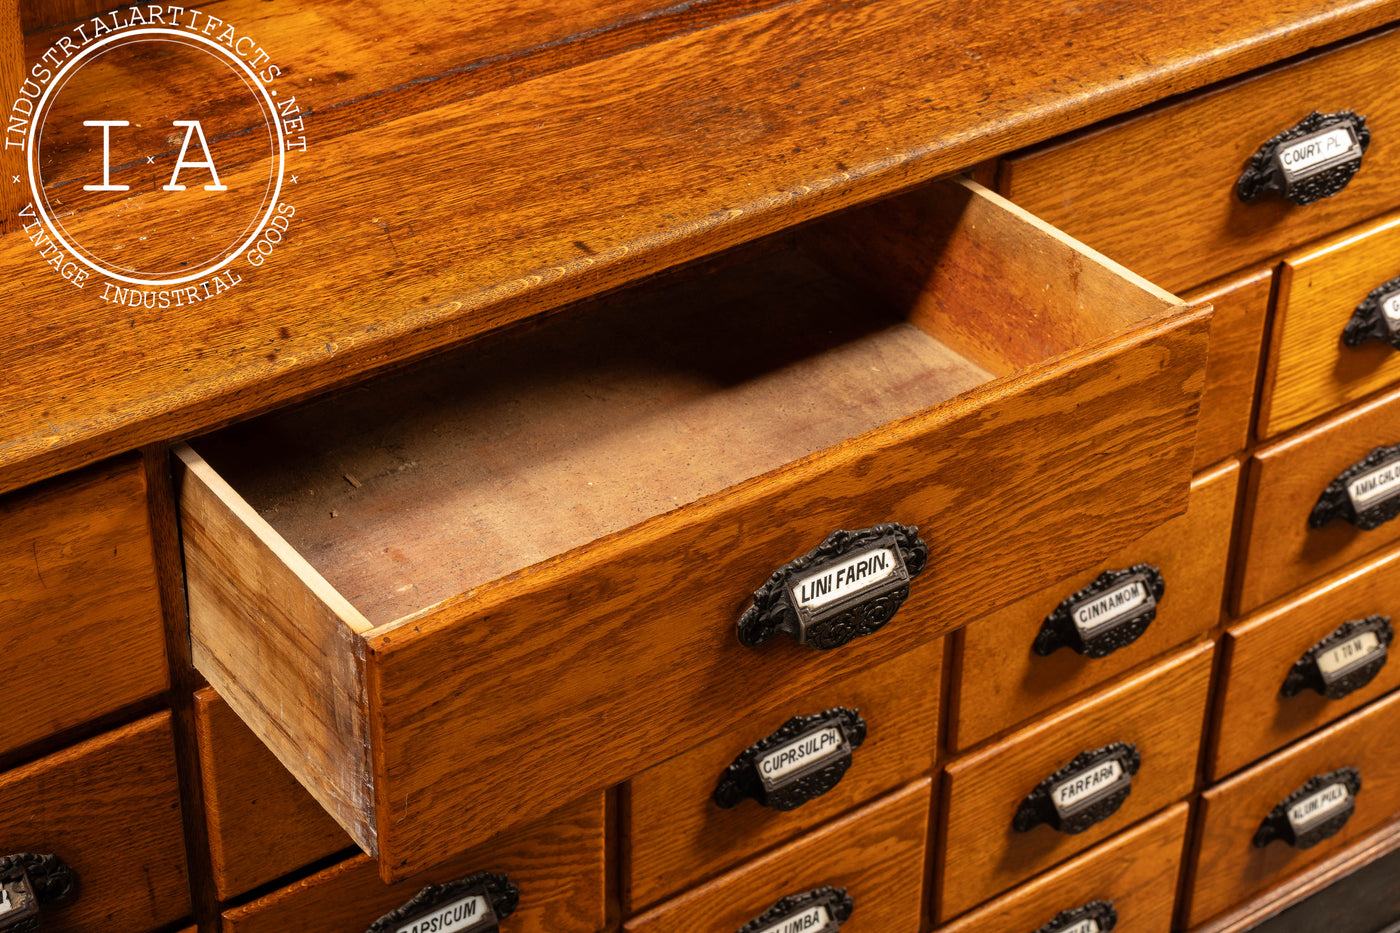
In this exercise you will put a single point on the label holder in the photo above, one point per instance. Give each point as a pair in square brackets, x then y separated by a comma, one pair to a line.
[1040, 807]
[1277, 825]
[1377, 317]
[1308, 671]
[1101, 914]
[29, 882]
[838, 904]
[501, 894]
[1336, 501]
[1060, 631]
[742, 779]
[1267, 170]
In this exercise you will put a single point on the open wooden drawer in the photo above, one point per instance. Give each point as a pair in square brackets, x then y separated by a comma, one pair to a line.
[455, 598]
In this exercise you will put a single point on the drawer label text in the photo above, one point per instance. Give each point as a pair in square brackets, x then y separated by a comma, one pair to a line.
[1317, 806]
[1085, 786]
[1375, 486]
[1321, 149]
[1391, 309]
[803, 752]
[1112, 606]
[811, 920]
[1348, 654]
[839, 582]
[459, 915]
[1087, 925]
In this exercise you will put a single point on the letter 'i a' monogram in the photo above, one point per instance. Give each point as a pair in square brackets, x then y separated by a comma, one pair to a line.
[192, 129]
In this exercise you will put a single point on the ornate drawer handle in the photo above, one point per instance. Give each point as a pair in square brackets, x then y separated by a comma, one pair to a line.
[821, 910]
[848, 586]
[27, 883]
[1313, 160]
[803, 759]
[1093, 917]
[1345, 661]
[1314, 812]
[477, 903]
[1364, 494]
[1106, 615]
[1086, 791]
[1377, 317]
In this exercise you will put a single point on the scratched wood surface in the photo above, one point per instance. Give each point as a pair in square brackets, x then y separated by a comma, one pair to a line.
[875, 853]
[1311, 371]
[528, 196]
[1228, 870]
[110, 808]
[1233, 370]
[1136, 871]
[1157, 190]
[79, 604]
[1161, 711]
[1001, 682]
[1254, 719]
[676, 836]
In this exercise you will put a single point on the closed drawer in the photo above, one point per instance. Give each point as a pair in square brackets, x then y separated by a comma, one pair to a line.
[678, 833]
[1000, 823]
[399, 589]
[1005, 679]
[262, 823]
[1157, 190]
[556, 864]
[874, 857]
[1230, 868]
[1132, 878]
[109, 809]
[79, 605]
[1232, 372]
[1302, 663]
[1301, 522]
[1314, 366]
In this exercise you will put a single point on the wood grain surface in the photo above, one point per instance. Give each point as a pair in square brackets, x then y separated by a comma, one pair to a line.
[876, 854]
[1279, 552]
[1001, 681]
[1157, 191]
[1254, 719]
[1161, 711]
[110, 808]
[677, 837]
[533, 195]
[1232, 372]
[262, 823]
[1311, 371]
[557, 862]
[79, 604]
[1136, 871]
[1228, 870]
[12, 65]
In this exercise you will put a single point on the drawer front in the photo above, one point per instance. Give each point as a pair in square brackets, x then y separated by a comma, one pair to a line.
[1282, 550]
[1232, 372]
[557, 864]
[1313, 366]
[1159, 713]
[1229, 869]
[1157, 192]
[678, 835]
[875, 854]
[1003, 680]
[1275, 689]
[109, 808]
[79, 606]
[262, 824]
[1135, 873]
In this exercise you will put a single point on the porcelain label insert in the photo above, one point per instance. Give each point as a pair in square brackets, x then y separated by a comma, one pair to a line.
[851, 577]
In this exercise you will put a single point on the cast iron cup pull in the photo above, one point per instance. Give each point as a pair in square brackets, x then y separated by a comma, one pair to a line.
[1093, 917]
[1310, 161]
[821, 910]
[1376, 318]
[1086, 791]
[1364, 494]
[848, 586]
[1106, 615]
[1345, 661]
[477, 903]
[803, 759]
[1314, 812]
[28, 883]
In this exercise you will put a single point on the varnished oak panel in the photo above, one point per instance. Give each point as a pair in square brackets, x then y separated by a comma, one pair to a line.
[1279, 552]
[78, 602]
[1001, 681]
[1229, 871]
[557, 863]
[1136, 871]
[1157, 191]
[262, 823]
[110, 808]
[1232, 372]
[676, 836]
[1254, 718]
[876, 854]
[1161, 711]
[530, 196]
[1311, 371]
